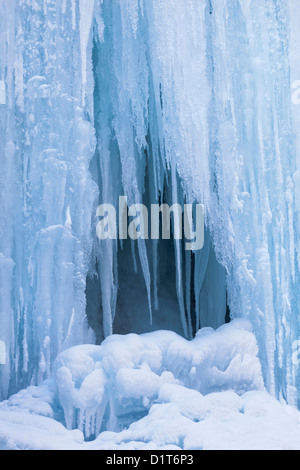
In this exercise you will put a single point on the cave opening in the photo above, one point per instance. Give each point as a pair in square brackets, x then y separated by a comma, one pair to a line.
[203, 293]
[185, 287]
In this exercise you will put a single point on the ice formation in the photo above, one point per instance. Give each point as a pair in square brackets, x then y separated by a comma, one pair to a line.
[158, 100]
[153, 391]
[115, 383]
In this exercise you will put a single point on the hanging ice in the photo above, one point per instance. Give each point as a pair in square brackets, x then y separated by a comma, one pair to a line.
[2, 92]
[47, 192]
[158, 100]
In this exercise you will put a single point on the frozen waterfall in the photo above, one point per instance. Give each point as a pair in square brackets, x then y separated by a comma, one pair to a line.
[179, 101]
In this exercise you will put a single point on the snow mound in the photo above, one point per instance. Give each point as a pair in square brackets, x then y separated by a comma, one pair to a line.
[111, 386]
[154, 391]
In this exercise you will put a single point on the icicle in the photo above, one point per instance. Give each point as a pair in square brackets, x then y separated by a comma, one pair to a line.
[85, 24]
[2, 92]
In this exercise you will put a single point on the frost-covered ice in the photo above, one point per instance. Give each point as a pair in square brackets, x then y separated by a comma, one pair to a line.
[113, 384]
[182, 100]
[157, 100]
[153, 392]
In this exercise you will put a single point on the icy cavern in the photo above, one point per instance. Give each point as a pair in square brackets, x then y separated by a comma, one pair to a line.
[142, 344]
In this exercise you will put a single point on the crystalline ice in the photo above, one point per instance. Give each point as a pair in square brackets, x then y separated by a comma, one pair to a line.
[175, 101]
[2, 92]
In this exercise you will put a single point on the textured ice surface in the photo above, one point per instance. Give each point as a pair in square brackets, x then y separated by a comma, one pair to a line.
[153, 392]
[187, 100]
[46, 190]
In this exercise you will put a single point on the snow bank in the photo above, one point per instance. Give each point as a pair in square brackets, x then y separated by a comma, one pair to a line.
[112, 385]
[154, 391]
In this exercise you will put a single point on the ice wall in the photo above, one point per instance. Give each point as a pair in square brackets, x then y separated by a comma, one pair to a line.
[47, 193]
[208, 83]
[151, 148]
[187, 100]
